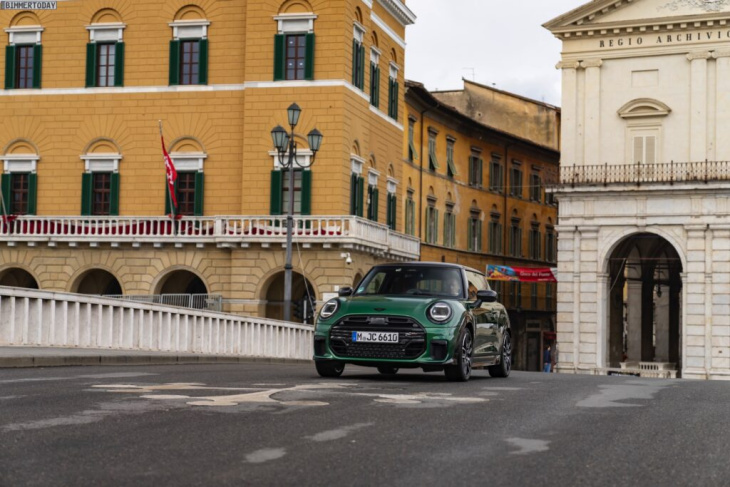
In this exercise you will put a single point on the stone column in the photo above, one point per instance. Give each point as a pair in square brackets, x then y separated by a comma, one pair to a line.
[592, 145]
[722, 102]
[587, 302]
[662, 320]
[616, 319]
[570, 155]
[567, 286]
[603, 330]
[698, 105]
[633, 318]
[721, 299]
[696, 311]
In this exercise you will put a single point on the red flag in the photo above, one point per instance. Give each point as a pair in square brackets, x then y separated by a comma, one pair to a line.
[171, 174]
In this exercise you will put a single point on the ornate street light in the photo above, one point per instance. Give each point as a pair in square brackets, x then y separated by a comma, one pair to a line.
[285, 143]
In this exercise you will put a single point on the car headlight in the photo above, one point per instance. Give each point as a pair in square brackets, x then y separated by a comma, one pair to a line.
[440, 312]
[329, 308]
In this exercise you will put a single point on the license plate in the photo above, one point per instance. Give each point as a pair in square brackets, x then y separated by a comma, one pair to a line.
[374, 337]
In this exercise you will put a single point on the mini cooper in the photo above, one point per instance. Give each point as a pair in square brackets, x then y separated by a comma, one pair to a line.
[433, 316]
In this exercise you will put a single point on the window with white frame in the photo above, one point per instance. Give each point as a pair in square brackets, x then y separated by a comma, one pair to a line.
[23, 57]
[294, 47]
[189, 52]
[19, 184]
[100, 184]
[105, 55]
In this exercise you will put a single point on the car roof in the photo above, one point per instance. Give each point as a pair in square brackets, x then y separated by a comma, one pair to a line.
[429, 264]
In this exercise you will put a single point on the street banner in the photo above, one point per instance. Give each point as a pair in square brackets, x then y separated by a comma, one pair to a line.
[521, 274]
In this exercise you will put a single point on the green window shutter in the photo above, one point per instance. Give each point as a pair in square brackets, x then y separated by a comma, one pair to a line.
[114, 196]
[276, 189]
[32, 193]
[375, 203]
[428, 225]
[362, 67]
[377, 87]
[168, 200]
[306, 193]
[119, 65]
[309, 57]
[435, 226]
[86, 193]
[355, 59]
[199, 193]
[10, 53]
[360, 195]
[353, 194]
[395, 99]
[174, 63]
[37, 65]
[479, 235]
[279, 57]
[203, 62]
[5, 185]
[91, 65]
[470, 235]
[480, 168]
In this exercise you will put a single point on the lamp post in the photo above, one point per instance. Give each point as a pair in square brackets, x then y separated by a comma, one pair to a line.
[283, 142]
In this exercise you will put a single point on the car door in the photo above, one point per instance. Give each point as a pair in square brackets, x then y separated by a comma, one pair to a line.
[485, 321]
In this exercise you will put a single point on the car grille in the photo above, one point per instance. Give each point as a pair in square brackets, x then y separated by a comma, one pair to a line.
[412, 337]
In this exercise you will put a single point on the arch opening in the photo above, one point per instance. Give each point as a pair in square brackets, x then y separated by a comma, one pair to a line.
[97, 282]
[16, 277]
[645, 296]
[303, 298]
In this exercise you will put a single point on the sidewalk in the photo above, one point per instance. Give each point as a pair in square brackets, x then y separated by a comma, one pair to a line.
[12, 357]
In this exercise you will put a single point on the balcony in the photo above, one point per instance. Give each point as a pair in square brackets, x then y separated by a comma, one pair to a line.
[223, 231]
[638, 174]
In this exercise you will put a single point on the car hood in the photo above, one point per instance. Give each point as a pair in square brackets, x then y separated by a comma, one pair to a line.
[391, 305]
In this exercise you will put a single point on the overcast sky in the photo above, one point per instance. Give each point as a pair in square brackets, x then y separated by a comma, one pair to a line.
[502, 40]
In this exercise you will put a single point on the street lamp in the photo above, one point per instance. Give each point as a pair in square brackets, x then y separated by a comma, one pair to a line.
[284, 142]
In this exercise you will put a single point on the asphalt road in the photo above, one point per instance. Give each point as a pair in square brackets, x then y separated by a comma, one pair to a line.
[257, 424]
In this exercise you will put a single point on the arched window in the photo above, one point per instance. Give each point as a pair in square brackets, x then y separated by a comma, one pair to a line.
[100, 180]
[392, 198]
[19, 180]
[373, 192]
[105, 50]
[189, 47]
[294, 42]
[188, 155]
[375, 72]
[393, 86]
[23, 54]
[358, 51]
[357, 181]
[643, 118]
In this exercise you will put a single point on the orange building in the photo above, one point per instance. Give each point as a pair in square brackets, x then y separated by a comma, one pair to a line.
[476, 162]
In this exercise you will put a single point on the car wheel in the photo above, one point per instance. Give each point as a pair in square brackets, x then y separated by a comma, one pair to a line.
[461, 370]
[328, 368]
[388, 370]
[503, 368]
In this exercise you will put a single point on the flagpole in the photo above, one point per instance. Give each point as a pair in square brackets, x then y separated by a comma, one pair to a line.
[169, 192]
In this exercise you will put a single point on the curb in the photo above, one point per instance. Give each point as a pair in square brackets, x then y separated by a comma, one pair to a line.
[88, 360]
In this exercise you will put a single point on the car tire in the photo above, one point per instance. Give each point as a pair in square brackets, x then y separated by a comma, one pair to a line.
[388, 370]
[461, 370]
[328, 368]
[503, 368]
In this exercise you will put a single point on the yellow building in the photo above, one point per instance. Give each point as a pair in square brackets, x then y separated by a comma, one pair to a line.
[476, 162]
[84, 88]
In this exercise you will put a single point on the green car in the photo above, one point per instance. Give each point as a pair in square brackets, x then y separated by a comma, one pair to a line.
[433, 316]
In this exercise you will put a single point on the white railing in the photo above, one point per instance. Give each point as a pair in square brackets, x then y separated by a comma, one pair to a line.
[210, 302]
[39, 318]
[222, 230]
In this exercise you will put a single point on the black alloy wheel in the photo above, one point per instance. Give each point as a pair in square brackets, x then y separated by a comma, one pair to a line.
[503, 368]
[328, 368]
[388, 370]
[461, 370]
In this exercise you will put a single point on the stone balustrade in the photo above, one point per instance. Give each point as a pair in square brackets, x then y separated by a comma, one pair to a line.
[39, 318]
[223, 231]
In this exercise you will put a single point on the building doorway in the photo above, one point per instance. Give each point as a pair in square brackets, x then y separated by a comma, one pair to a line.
[16, 277]
[302, 295]
[645, 295]
[97, 282]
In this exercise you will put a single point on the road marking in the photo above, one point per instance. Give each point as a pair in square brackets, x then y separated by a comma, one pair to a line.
[114, 375]
[610, 395]
[527, 446]
[265, 455]
[338, 434]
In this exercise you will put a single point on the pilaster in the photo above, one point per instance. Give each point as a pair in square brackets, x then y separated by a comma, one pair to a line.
[569, 113]
[698, 104]
[592, 154]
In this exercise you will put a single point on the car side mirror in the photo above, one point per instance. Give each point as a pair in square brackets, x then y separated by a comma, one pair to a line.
[485, 296]
[345, 292]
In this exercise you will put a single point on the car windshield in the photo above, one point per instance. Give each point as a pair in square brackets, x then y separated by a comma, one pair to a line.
[413, 281]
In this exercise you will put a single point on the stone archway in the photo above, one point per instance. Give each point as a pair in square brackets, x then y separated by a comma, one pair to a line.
[645, 295]
[181, 282]
[302, 295]
[17, 277]
[97, 282]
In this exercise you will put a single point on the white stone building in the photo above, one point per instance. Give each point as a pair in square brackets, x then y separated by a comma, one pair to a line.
[644, 193]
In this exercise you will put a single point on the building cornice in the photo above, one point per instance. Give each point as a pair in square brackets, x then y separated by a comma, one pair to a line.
[399, 11]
